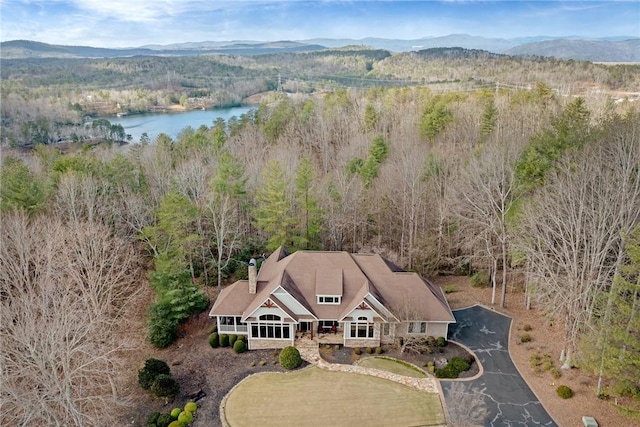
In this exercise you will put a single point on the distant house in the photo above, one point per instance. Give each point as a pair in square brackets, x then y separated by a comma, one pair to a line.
[358, 300]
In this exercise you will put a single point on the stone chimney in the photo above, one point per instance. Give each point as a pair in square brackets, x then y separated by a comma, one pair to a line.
[253, 276]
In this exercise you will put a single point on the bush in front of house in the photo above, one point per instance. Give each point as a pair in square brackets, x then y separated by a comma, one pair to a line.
[378, 350]
[453, 368]
[290, 358]
[224, 340]
[441, 341]
[191, 407]
[357, 351]
[564, 392]
[232, 340]
[239, 346]
[460, 364]
[152, 368]
[165, 386]
[214, 340]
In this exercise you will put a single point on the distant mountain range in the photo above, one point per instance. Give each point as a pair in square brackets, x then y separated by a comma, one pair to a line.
[613, 49]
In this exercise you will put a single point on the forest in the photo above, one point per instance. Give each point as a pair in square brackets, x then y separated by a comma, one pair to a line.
[524, 187]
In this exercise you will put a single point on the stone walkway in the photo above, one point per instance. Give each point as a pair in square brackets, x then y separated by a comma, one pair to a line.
[312, 355]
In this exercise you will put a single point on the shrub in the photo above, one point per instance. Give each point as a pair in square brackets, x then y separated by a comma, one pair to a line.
[480, 279]
[165, 386]
[449, 289]
[152, 368]
[459, 363]
[446, 371]
[431, 340]
[564, 392]
[185, 417]
[357, 351]
[224, 340]
[453, 368]
[214, 340]
[163, 329]
[327, 347]
[214, 328]
[290, 358]
[152, 419]
[555, 373]
[232, 340]
[369, 350]
[242, 337]
[176, 423]
[527, 327]
[441, 341]
[191, 407]
[252, 364]
[525, 338]
[175, 412]
[164, 420]
[262, 362]
[336, 347]
[239, 346]
[378, 350]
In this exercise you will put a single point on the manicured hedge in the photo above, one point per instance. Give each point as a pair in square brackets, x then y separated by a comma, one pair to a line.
[290, 358]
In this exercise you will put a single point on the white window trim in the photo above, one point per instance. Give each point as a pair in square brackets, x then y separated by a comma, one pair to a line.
[370, 326]
[266, 324]
[336, 299]
[415, 327]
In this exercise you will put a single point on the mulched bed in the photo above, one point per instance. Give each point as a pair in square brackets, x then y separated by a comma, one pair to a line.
[347, 356]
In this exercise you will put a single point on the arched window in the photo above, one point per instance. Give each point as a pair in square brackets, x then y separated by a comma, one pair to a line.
[271, 317]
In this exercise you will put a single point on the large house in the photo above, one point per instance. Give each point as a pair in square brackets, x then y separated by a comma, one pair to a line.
[358, 300]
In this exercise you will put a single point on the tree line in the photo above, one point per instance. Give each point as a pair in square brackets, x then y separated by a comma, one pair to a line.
[56, 94]
[537, 190]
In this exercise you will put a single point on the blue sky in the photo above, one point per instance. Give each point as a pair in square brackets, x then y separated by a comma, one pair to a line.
[128, 23]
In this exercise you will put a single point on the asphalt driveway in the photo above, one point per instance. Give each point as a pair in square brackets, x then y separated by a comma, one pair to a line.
[509, 399]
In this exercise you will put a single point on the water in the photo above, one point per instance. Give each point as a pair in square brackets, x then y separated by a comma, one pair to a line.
[171, 124]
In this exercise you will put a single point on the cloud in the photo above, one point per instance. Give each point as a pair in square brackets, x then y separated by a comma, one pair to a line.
[139, 10]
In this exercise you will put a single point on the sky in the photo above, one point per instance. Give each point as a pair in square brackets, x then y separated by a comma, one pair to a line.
[133, 23]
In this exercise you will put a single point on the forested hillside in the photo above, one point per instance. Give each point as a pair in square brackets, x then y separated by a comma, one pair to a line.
[534, 189]
[47, 100]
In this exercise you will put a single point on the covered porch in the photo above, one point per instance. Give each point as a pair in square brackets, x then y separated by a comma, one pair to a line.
[319, 332]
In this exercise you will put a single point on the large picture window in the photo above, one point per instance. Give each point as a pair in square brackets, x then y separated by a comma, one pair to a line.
[362, 328]
[270, 330]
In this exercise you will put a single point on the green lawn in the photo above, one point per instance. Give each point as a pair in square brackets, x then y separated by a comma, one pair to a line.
[393, 366]
[315, 397]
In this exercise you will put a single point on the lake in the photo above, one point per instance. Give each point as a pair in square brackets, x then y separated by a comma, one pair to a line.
[172, 123]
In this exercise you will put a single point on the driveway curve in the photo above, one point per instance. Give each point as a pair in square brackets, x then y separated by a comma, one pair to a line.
[509, 400]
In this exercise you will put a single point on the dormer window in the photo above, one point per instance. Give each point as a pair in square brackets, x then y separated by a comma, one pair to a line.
[327, 299]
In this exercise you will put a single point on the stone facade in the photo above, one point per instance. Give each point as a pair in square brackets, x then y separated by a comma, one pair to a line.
[262, 344]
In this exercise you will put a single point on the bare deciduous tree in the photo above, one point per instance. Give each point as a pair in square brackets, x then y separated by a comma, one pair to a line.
[571, 231]
[486, 194]
[64, 294]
